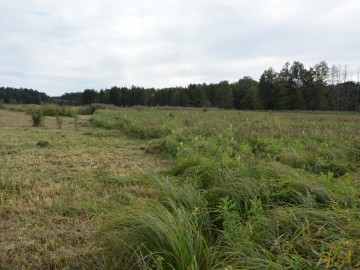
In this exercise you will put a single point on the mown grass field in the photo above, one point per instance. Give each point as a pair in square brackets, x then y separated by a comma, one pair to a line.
[148, 188]
[54, 198]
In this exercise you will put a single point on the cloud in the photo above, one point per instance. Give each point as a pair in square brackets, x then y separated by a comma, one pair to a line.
[62, 46]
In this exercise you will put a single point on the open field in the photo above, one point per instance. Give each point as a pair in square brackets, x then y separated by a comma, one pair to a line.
[53, 198]
[144, 188]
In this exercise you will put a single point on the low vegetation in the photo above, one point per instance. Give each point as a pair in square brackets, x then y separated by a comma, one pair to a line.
[252, 190]
[58, 186]
[149, 188]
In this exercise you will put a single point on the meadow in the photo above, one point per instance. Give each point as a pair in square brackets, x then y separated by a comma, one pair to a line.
[175, 188]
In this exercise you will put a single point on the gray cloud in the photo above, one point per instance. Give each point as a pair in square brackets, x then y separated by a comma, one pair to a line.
[62, 46]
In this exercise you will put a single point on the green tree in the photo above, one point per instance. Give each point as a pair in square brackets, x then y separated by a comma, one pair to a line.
[225, 95]
[296, 86]
[179, 98]
[196, 95]
[266, 89]
[89, 96]
[320, 73]
[245, 94]
[104, 96]
[115, 96]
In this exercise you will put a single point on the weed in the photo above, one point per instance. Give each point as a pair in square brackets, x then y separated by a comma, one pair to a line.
[42, 144]
[59, 121]
[76, 121]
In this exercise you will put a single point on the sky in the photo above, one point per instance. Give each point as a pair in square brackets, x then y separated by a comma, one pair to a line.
[67, 46]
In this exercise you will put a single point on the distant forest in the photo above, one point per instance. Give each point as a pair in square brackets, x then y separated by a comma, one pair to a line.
[292, 88]
[22, 96]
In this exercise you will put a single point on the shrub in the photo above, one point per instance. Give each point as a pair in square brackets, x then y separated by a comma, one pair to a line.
[37, 116]
[85, 110]
[51, 109]
[56, 110]
[101, 106]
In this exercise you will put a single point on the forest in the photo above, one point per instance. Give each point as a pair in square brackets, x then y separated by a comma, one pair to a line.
[294, 87]
[11, 95]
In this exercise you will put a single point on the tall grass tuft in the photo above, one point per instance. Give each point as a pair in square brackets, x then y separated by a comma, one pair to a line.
[76, 121]
[59, 122]
[173, 233]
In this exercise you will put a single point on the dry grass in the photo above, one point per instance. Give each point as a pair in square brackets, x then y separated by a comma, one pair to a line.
[53, 198]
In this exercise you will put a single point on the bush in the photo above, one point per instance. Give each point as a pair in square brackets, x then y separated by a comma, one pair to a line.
[67, 111]
[86, 110]
[101, 106]
[37, 116]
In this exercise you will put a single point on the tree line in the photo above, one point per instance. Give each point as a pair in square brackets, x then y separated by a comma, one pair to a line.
[11, 95]
[318, 88]
[294, 87]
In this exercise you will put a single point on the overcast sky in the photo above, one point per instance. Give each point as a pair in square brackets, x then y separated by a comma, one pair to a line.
[66, 46]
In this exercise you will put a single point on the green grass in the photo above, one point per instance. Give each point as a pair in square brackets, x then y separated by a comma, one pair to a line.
[173, 232]
[281, 189]
[148, 188]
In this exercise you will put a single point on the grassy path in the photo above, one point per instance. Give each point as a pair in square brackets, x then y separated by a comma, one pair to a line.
[53, 198]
